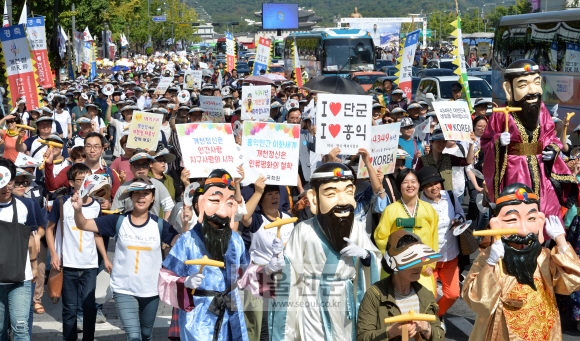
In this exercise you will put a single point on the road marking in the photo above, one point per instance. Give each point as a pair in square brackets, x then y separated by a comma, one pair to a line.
[461, 323]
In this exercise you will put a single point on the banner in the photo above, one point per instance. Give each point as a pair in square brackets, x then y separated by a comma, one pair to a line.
[19, 66]
[230, 52]
[571, 61]
[483, 48]
[383, 152]
[459, 60]
[271, 150]
[37, 38]
[144, 130]
[208, 146]
[213, 109]
[455, 120]
[163, 85]
[296, 65]
[262, 56]
[192, 79]
[384, 34]
[78, 47]
[343, 121]
[406, 67]
[87, 50]
[256, 102]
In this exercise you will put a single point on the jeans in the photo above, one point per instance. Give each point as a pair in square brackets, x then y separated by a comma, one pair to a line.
[137, 315]
[16, 299]
[75, 281]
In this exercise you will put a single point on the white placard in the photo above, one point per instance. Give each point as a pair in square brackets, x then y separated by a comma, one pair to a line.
[163, 85]
[383, 152]
[212, 107]
[343, 121]
[455, 120]
[203, 65]
[192, 79]
[108, 89]
[183, 96]
[256, 102]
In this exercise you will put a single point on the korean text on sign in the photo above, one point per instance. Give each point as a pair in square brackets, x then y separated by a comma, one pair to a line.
[208, 146]
[343, 121]
[383, 153]
[212, 109]
[144, 130]
[256, 102]
[455, 120]
[271, 150]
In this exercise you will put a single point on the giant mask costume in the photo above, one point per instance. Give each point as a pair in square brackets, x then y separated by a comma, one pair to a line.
[514, 298]
[531, 154]
[214, 312]
[319, 261]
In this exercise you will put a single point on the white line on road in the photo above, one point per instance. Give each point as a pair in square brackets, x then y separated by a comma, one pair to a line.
[461, 323]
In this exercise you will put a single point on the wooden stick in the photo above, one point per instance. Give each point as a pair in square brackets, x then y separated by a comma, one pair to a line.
[506, 111]
[204, 261]
[410, 316]
[568, 116]
[24, 126]
[280, 222]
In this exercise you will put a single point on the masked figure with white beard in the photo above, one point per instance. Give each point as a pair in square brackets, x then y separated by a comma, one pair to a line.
[316, 297]
[214, 311]
[516, 301]
[528, 151]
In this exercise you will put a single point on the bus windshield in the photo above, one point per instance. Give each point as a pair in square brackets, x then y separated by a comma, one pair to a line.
[278, 49]
[348, 54]
[220, 48]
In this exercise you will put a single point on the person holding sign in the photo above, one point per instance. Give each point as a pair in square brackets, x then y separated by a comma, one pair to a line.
[120, 126]
[511, 285]
[404, 258]
[522, 146]
[206, 313]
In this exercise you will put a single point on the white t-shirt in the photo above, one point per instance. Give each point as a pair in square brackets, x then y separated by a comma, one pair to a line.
[261, 246]
[80, 250]
[64, 119]
[27, 215]
[458, 173]
[99, 123]
[119, 132]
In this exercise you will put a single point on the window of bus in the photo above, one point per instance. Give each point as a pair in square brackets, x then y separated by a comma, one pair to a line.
[347, 54]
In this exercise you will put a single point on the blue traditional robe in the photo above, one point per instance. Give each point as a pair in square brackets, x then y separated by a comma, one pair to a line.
[196, 322]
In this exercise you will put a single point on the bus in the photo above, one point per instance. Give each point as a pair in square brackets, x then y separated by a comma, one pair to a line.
[331, 51]
[220, 46]
[278, 48]
[552, 40]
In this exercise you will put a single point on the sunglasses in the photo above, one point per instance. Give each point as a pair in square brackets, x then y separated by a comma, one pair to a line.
[10, 121]
[24, 183]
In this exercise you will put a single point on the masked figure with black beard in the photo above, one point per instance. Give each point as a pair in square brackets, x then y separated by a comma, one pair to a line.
[511, 285]
[527, 152]
[322, 258]
[214, 311]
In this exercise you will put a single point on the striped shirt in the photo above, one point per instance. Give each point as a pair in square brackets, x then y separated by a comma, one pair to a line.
[406, 303]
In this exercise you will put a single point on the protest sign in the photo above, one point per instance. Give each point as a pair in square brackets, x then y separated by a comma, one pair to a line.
[212, 108]
[271, 150]
[203, 65]
[343, 121]
[256, 102]
[207, 146]
[262, 56]
[383, 152]
[37, 38]
[454, 119]
[192, 79]
[144, 130]
[230, 52]
[163, 85]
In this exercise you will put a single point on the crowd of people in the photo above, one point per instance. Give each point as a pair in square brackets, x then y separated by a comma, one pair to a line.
[375, 248]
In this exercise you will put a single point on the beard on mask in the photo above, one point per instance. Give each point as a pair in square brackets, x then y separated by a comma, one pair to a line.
[530, 111]
[216, 239]
[522, 263]
[336, 228]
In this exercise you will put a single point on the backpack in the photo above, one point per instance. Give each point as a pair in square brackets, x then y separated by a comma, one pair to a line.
[165, 248]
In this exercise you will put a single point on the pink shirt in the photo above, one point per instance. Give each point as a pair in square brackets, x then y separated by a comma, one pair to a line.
[122, 163]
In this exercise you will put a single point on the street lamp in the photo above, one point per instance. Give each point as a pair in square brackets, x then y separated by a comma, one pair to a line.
[483, 12]
[477, 8]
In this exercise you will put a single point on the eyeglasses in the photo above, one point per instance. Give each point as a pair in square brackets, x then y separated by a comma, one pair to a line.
[24, 183]
[93, 147]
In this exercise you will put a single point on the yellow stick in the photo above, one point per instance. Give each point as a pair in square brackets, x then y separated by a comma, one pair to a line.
[115, 211]
[24, 126]
[497, 233]
[51, 143]
[279, 223]
[410, 316]
[506, 111]
[204, 261]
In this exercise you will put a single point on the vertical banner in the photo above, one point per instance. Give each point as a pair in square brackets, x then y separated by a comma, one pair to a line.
[262, 56]
[256, 102]
[296, 65]
[230, 52]
[385, 140]
[208, 146]
[406, 71]
[459, 53]
[87, 51]
[192, 79]
[37, 39]
[271, 150]
[455, 120]
[144, 130]
[78, 46]
[343, 121]
[213, 109]
[19, 65]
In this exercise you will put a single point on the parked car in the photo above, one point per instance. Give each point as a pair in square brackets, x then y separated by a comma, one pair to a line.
[243, 69]
[443, 63]
[380, 63]
[277, 69]
[434, 89]
[481, 74]
[392, 70]
[365, 78]
[379, 84]
[434, 73]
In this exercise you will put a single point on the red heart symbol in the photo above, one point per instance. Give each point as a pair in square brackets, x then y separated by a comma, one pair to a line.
[335, 108]
[370, 158]
[334, 128]
[449, 127]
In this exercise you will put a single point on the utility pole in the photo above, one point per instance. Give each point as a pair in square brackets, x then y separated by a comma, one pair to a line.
[9, 9]
[149, 21]
[74, 29]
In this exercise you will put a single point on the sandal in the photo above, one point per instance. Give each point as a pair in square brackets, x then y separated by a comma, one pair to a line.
[38, 308]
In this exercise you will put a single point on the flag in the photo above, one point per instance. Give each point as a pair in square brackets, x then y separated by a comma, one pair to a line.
[62, 39]
[459, 53]
[36, 33]
[5, 22]
[87, 35]
[78, 46]
[405, 64]
[124, 41]
[87, 50]
[23, 15]
[296, 65]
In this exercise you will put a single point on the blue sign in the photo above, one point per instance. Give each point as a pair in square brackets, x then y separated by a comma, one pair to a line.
[159, 19]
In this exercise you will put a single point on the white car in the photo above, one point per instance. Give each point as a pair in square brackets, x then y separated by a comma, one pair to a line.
[434, 89]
